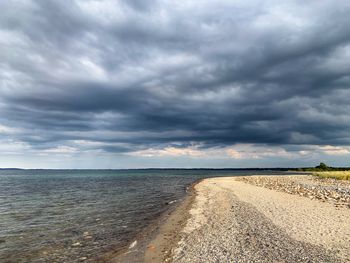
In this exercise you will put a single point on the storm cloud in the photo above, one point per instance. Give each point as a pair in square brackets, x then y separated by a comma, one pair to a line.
[147, 78]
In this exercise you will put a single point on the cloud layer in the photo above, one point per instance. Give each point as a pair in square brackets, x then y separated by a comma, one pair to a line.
[140, 77]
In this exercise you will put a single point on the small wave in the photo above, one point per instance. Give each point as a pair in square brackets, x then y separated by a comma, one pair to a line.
[133, 244]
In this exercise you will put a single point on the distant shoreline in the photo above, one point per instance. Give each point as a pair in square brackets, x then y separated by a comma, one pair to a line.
[170, 169]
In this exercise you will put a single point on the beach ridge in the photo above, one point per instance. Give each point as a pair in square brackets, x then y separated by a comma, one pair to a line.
[240, 219]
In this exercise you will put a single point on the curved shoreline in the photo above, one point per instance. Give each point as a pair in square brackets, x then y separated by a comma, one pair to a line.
[222, 217]
[156, 231]
[159, 248]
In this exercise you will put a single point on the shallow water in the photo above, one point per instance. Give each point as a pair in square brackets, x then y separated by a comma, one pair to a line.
[79, 215]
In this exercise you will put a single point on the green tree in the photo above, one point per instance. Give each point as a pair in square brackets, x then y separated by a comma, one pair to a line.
[322, 166]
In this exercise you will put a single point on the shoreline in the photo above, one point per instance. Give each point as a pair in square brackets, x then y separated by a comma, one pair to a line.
[182, 236]
[159, 248]
[141, 248]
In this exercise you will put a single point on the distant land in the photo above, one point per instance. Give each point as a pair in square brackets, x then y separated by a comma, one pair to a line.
[150, 169]
[11, 169]
[320, 167]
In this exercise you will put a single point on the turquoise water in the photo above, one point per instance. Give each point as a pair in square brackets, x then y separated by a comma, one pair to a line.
[80, 215]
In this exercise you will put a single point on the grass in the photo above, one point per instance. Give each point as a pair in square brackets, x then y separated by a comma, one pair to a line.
[339, 175]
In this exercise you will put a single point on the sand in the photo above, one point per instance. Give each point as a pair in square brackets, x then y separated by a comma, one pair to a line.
[228, 220]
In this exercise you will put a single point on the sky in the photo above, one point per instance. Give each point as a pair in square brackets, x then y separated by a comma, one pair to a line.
[160, 83]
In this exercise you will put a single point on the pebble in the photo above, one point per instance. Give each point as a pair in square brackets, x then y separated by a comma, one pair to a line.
[336, 192]
[235, 231]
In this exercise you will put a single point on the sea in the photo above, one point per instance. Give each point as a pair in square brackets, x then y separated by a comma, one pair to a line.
[84, 215]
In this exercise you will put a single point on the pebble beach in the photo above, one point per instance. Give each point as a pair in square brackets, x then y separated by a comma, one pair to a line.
[258, 219]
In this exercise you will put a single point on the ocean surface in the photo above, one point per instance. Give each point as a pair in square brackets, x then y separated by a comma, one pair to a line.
[80, 215]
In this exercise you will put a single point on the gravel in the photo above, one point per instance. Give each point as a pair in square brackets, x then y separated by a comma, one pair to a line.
[226, 226]
[336, 192]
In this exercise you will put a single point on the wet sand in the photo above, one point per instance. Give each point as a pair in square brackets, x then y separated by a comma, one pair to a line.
[169, 233]
[231, 220]
[154, 243]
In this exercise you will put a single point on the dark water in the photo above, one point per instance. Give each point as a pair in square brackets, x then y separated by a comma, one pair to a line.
[79, 215]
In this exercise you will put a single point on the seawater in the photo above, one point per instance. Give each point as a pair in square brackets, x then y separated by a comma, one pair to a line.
[80, 215]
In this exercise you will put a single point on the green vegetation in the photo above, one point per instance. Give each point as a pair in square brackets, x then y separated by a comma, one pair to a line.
[322, 167]
[324, 171]
[340, 175]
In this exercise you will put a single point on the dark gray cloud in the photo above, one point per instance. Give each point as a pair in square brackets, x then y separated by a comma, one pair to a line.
[126, 76]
